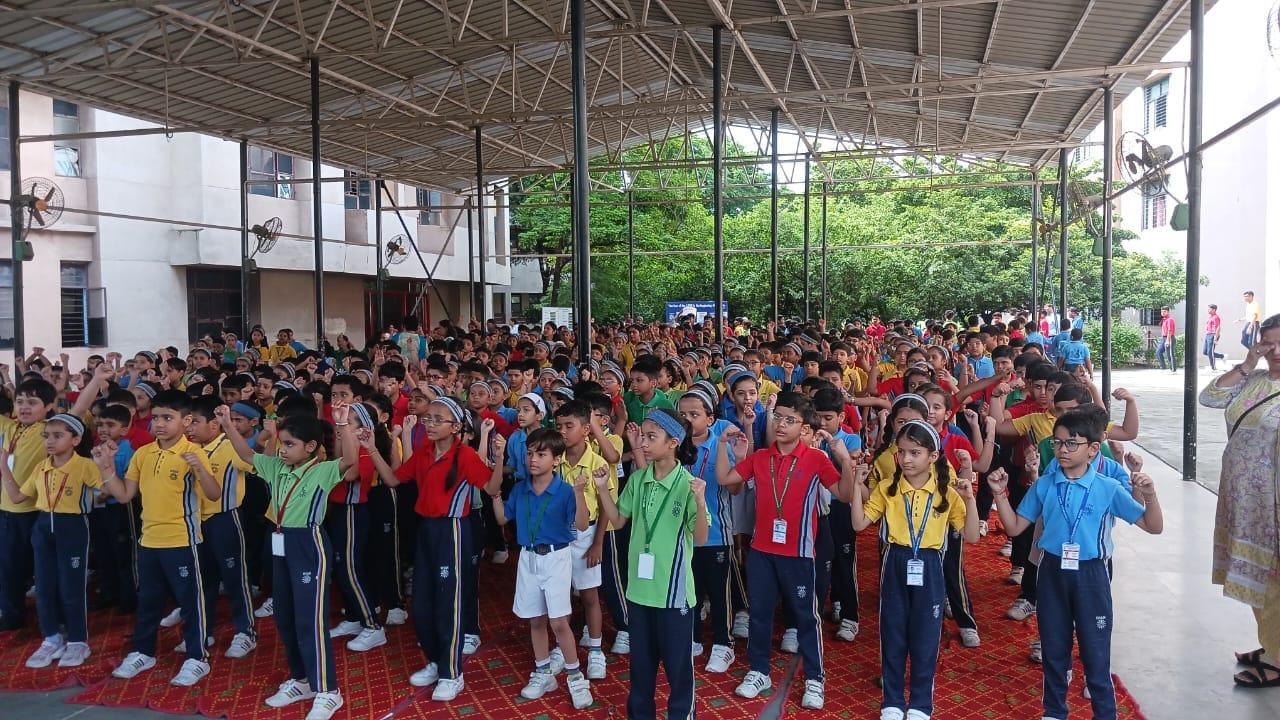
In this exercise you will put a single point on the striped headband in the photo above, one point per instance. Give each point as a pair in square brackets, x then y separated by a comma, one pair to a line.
[744, 375]
[498, 384]
[150, 356]
[147, 388]
[285, 385]
[702, 395]
[366, 374]
[482, 385]
[614, 372]
[548, 371]
[451, 405]
[438, 390]
[363, 419]
[937, 439]
[73, 423]
[246, 410]
[564, 392]
[289, 369]
[669, 424]
[796, 347]
[709, 387]
[538, 403]
[901, 399]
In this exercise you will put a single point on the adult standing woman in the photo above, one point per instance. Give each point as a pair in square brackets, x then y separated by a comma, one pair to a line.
[1246, 538]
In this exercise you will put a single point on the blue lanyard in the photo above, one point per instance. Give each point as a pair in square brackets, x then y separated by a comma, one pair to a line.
[1062, 503]
[911, 531]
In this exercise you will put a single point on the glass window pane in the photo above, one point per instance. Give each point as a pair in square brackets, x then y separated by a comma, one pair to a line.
[75, 276]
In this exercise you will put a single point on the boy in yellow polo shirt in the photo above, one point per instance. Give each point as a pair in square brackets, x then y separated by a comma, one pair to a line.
[171, 474]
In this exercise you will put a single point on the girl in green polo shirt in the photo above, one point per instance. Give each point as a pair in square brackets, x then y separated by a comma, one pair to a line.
[669, 506]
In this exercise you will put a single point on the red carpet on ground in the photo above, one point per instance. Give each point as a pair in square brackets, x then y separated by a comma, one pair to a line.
[996, 680]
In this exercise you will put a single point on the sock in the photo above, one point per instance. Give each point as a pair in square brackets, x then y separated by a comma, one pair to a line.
[573, 671]
[543, 666]
[594, 643]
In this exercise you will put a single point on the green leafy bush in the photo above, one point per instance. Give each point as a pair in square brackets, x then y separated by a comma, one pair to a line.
[1128, 342]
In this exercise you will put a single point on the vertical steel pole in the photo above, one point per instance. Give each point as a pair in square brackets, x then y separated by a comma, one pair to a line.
[1063, 181]
[1036, 208]
[15, 227]
[631, 253]
[380, 284]
[471, 261]
[1108, 166]
[317, 209]
[1191, 323]
[717, 174]
[482, 238]
[773, 214]
[804, 267]
[825, 305]
[244, 241]
[581, 184]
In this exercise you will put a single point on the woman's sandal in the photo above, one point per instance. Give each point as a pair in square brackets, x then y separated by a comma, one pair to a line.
[1251, 658]
[1262, 675]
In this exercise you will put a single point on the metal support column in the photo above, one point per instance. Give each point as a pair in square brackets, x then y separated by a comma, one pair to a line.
[808, 315]
[717, 175]
[581, 184]
[1108, 174]
[471, 265]
[773, 214]
[1036, 209]
[825, 305]
[1063, 180]
[17, 219]
[631, 253]
[317, 209]
[380, 284]
[1191, 323]
[244, 242]
[481, 239]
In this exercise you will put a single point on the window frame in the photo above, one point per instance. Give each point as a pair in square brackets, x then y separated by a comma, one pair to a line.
[75, 293]
[430, 198]
[357, 194]
[66, 120]
[1155, 211]
[260, 169]
[1155, 102]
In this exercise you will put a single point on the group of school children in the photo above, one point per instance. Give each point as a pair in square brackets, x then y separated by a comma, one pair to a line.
[689, 487]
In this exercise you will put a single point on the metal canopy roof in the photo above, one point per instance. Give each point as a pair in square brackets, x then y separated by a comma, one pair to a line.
[404, 83]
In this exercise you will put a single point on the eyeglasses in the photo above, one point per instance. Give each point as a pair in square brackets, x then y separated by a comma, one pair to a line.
[435, 376]
[1069, 445]
[784, 420]
[432, 420]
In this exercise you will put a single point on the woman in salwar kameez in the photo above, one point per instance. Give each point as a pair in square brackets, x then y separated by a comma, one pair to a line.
[1246, 536]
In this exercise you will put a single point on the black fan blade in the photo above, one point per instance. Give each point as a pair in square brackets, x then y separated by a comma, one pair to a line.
[35, 215]
[50, 194]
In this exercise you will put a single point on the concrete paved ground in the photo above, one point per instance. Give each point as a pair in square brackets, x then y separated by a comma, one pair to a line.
[1174, 632]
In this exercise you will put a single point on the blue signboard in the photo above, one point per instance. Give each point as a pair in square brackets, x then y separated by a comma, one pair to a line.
[700, 309]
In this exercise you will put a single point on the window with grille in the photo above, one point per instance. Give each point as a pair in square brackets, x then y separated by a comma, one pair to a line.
[359, 193]
[268, 165]
[1153, 211]
[430, 199]
[6, 305]
[1157, 104]
[213, 302]
[66, 153]
[75, 305]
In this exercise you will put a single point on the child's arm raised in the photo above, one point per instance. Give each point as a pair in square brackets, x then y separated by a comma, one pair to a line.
[349, 445]
[105, 457]
[499, 508]
[1127, 430]
[608, 508]
[406, 438]
[380, 465]
[1014, 524]
[860, 495]
[701, 528]
[208, 484]
[6, 477]
[1152, 519]
[726, 475]
[238, 443]
[964, 488]
[582, 516]
[494, 486]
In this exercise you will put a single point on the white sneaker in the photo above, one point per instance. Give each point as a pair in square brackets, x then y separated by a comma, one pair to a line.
[917, 715]
[969, 637]
[1021, 609]
[721, 658]
[426, 676]
[741, 624]
[698, 649]
[500, 557]
[814, 695]
[1006, 550]
[51, 649]
[982, 528]
[470, 644]
[191, 673]
[595, 665]
[173, 619]
[447, 689]
[622, 643]
[75, 655]
[345, 628]
[325, 705]
[1037, 655]
[557, 661]
[790, 641]
[580, 692]
[753, 684]
[585, 640]
[133, 664]
[290, 692]
[1015, 575]
[266, 609]
[540, 683]
[368, 639]
[892, 714]
[397, 616]
[241, 645]
[848, 630]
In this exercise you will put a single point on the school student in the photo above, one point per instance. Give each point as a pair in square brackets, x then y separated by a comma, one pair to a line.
[613, 556]
[347, 524]
[171, 474]
[912, 582]
[301, 551]
[667, 505]
[62, 488]
[546, 509]
[444, 471]
[830, 406]
[781, 561]
[113, 525]
[1073, 595]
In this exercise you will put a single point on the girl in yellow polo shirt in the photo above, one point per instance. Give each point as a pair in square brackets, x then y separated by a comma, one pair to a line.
[914, 506]
[62, 486]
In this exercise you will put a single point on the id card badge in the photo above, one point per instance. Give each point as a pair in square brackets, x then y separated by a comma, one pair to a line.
[780, 531]
[644, 569]
[915, 573]
[277, 544]
[1070, 556]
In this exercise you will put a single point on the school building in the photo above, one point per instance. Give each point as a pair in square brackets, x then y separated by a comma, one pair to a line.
[161, 265]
